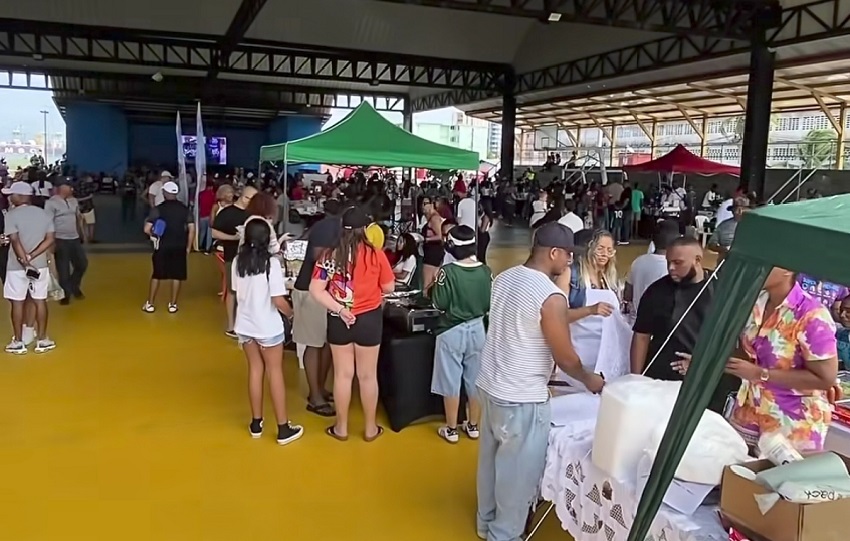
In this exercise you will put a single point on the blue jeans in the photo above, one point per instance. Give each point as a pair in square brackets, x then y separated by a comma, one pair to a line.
[204, 234]
[511, 458]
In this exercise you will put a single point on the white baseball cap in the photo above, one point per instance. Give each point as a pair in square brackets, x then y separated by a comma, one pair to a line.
[166, 174]
[18, 188]
[170, 187]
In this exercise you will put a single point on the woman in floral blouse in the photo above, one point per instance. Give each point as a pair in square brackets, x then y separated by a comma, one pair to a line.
[790, 364]
[791, 337]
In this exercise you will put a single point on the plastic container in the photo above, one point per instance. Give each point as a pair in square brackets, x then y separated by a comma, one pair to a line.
[630, 409]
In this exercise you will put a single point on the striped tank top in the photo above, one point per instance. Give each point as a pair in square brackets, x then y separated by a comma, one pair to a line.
[516, 361]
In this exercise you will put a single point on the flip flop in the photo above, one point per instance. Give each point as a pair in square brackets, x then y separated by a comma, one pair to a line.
[377, 435]
[330, 431]
[322, 410]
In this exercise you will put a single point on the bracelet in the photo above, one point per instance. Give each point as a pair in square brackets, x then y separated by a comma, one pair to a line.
[338, 312]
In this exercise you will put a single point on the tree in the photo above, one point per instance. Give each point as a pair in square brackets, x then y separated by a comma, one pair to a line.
[818, 148]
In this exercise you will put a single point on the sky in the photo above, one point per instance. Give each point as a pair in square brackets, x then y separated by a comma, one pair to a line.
[21, 109]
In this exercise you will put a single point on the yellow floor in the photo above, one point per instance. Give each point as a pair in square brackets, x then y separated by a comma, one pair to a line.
[134, 428]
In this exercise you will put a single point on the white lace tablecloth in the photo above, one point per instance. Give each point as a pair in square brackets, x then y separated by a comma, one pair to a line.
[594, 507]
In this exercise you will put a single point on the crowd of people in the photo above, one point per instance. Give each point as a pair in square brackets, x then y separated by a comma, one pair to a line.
[500, 340]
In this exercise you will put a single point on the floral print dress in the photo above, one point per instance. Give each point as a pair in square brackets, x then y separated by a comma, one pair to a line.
[798, 332]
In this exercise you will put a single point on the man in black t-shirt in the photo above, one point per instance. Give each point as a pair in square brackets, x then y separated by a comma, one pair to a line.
[224, 230]
[310, 325]
[663, 305]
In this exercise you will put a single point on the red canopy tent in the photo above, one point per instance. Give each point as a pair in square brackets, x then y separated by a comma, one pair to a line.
[682, 160]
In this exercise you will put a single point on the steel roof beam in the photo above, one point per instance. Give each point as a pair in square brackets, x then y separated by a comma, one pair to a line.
[36, 41]
[239, 25]
[813, 21]
[725, 18]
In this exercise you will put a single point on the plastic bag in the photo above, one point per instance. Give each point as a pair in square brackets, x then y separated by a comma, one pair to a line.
[54, 290]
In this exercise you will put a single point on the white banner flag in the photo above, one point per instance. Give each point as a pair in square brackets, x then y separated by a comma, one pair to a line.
[200, 159]
[182, 183]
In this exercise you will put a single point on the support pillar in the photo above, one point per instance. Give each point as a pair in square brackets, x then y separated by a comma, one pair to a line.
[703, 137]
[613, 144]
[508, 125]
[841, 144]
[757, 121]
[407, 125]
[653, 137]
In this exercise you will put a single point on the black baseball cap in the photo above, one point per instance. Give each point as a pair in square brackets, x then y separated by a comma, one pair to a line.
[355, 218]
[554, 235]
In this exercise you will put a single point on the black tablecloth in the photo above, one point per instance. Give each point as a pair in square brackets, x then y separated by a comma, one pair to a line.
[405, 366]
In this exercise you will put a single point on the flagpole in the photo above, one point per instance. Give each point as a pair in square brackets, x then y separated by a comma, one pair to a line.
[200, 167]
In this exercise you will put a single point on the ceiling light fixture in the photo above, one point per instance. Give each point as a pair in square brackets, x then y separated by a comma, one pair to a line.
[554, 17]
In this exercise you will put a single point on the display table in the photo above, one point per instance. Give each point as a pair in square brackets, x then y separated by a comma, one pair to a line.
[592, 506]
[405, 367]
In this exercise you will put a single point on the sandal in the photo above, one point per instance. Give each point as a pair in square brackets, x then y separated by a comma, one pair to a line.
[329, 397]
[377, 435]
[322, 410]
[330, 431]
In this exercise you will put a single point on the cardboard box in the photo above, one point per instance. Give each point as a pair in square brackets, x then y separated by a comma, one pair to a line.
[785, 521]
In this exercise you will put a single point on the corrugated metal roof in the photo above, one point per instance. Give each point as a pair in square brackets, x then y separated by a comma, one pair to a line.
[379, 26]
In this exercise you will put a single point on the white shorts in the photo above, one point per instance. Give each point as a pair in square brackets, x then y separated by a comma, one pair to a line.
[88, 217]
[18, 285]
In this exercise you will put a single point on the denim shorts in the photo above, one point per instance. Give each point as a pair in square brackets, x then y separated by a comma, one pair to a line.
[263, 342]
[457, 358]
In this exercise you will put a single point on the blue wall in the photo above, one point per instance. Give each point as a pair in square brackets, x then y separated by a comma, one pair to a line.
[100, 138]
[97, 137]
[289, 128]
[157, 143]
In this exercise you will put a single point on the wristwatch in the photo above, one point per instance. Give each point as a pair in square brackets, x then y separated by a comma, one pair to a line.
[764, 377]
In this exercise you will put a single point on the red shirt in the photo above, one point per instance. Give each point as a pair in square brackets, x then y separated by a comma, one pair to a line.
[360, 292]
[206, 201]
[297, 193]
[460, 187]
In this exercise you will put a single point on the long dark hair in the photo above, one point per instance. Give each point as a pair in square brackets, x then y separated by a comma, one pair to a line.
[344, 254]
[253, 256]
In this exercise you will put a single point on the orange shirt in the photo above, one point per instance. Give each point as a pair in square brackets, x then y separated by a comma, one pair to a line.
[360, 291]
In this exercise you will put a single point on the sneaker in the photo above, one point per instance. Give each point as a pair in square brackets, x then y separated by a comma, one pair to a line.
[148, 307]
[28, 335]
[448, 434]
[172, 308]
[65, 301]
[471, 430]
[287, 433]
[44, 345]
[256, 428]
[231, 334]
[16, 347]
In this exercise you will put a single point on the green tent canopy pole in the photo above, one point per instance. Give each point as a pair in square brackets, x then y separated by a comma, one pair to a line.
[740, 284]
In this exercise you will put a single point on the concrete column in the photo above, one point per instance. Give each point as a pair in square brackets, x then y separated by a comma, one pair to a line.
[508, 125]
[407, 124]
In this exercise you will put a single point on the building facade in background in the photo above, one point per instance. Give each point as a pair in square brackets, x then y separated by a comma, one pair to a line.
[464, 132]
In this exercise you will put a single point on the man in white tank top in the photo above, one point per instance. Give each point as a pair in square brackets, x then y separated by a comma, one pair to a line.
[528, 330]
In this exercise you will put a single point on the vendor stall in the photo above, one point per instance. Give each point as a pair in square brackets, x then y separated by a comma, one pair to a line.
[789, 236]
[679, 161]
[365, 138]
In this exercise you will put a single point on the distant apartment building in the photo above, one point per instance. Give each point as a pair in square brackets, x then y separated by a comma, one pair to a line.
[788, 132]
[464, 132]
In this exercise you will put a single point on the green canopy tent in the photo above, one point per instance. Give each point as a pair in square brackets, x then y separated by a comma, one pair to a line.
[792, 236]
[365, 138]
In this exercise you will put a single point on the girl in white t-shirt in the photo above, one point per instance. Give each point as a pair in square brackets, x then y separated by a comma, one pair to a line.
[260, 294]
[407, 248]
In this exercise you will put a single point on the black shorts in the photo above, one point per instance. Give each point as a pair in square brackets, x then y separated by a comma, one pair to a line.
[4, 258]
[367, 330]
[169, 264]
[433, 254]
